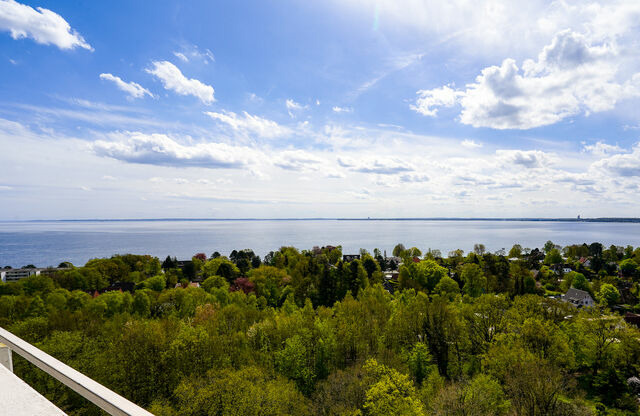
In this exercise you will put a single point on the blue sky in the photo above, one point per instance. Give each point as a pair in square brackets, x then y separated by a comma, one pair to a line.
[348, 108]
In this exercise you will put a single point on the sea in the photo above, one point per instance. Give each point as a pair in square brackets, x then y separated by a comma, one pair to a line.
[48, 243]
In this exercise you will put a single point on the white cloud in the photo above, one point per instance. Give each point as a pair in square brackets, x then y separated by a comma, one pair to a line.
[160, 149]
[134, 89]
[337, 109]
[173, 79]
[621, 165]
[413, 178]
[601, 148]
[192, 52]
[428, 100]
[297, 160]
[385, 166]
[181, 56]
[470, 144]
[42, 25]
[527, 158]
[571, 76]
[293, 107]
[498, 28]
[250, 124]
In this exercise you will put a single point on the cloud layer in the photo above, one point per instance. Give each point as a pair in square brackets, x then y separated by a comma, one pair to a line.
[160, 149]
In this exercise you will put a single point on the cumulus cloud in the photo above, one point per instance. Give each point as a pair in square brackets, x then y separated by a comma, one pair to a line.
[621, 165]
[250, 124]
[428, 101]
[337, 109]
[133, 89]
[601, 148]
[173, 79]
[570, 76]
[297, 160]
[160, 149]
[42, 25]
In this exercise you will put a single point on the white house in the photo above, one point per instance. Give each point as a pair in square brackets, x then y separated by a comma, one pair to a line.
[578, 298]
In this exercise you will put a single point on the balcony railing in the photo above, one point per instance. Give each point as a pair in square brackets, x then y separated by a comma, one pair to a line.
[96, 393]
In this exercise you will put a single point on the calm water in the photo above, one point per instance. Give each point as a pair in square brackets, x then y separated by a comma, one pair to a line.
[49, 243]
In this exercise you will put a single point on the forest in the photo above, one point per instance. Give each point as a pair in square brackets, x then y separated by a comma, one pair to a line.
[314, 332]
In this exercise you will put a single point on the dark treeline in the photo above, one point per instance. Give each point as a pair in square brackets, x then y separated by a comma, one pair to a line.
[316, 332]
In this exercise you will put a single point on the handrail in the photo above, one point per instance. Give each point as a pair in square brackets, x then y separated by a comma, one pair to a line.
[107, 400]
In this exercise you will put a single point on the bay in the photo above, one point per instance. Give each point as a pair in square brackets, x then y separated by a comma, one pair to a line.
[47, 243]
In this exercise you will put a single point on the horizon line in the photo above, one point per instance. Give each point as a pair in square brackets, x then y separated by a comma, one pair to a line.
[553, 219]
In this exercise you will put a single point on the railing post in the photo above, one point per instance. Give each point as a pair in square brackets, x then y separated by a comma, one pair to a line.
[5, 357]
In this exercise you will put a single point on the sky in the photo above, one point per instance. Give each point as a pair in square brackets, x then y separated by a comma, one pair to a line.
[338, 108]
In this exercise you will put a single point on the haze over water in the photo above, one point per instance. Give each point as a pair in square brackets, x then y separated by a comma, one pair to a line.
[51, 242]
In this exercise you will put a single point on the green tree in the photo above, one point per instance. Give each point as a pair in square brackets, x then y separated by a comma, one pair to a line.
[447, 287]
[479, 249]
[390, 392]
[548, 246]
[608, 295]
[420, 362]
[553, 257]
[249, 391]
[398, 250]
[516, 251]
[37, 284]
[578, 281]
[482, 396]
[628, 267]
[155, 283]
[296, 361]
[474, 279]
[269, 282]
[215, 282]
[423, 275]
[141, 304]
[221, 266]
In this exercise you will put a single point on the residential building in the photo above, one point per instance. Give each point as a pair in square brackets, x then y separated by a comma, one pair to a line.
[350, 257]
[578, 298]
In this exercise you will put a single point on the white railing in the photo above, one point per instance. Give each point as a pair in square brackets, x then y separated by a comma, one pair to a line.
[96, 393]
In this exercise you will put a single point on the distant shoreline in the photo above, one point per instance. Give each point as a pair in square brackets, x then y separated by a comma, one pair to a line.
[602, 219]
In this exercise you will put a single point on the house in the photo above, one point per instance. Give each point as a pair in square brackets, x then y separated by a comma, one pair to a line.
[561, 268]
[578, 298]
[391, 275]
[3, 276]
[585, 262]
[347, 258]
